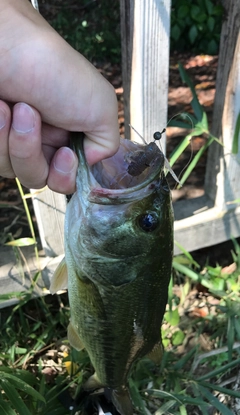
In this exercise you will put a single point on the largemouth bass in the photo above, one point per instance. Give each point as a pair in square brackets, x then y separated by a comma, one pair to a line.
[118, 246]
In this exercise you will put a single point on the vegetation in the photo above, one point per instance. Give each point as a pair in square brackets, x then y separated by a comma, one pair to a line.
[196, 25]
[93, 27]
[38, 367]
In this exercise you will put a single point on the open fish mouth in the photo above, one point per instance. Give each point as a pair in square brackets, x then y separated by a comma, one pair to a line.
[123, 176]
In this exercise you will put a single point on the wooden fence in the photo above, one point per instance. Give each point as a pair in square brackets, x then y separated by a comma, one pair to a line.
[199, 222]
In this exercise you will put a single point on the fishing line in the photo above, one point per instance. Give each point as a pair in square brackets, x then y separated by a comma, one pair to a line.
[184, 115]
[139, 135]
[157, 137]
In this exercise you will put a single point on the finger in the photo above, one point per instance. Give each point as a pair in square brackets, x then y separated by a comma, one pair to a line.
[25, 147]
[63, 170]
[101, 126]
[53, 138]
[5, 121]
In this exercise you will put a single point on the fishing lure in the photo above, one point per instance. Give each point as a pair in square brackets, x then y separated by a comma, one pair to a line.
[141, 160]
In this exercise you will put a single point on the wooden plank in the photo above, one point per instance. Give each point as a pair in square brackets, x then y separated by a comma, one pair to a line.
[16, 274]
[50, 208]
[145, 29]
[207, 226]
[223, 169]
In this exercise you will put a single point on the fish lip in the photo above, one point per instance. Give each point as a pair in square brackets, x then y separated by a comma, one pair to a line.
[95, 193]
[105, 196]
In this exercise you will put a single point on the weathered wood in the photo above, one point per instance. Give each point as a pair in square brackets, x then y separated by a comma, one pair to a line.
[145, 64]
[223, 169]
[208, 226]
[17, 273]
[50, 210]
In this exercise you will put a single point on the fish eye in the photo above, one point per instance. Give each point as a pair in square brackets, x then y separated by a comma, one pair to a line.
[148, 222]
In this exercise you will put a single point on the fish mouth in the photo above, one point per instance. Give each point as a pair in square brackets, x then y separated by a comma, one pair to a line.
[110, 181]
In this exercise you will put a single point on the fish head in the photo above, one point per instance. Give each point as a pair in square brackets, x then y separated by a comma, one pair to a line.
[114, 215]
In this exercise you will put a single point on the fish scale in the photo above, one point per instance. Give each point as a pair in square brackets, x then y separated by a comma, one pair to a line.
[118, 245]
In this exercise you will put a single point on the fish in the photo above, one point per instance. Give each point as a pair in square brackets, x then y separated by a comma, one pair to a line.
[117, 266]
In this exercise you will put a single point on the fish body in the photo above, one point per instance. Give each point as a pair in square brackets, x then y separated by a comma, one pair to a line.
[118, 246]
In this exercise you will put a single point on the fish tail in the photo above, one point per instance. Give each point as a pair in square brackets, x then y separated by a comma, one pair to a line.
[122, 402]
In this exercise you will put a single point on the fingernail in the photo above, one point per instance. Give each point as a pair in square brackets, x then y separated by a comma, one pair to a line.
[23, 118]
[3, 118]
[64, 160]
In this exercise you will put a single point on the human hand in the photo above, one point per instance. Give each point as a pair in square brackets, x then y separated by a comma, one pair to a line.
[47, 90]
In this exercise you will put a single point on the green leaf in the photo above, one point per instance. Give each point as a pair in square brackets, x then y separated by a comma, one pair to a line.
[187, 254]
[165, 407]
[21, 242]
[24, 375]
[179, 149]
[197, 107]
[209, 6]
[183, 410]
[14, 398]
[204, 123]
[175, 32]
[183, 11]
[222, 369]
[226, 391]
[236, 136]
[195, 11]
[193, 33]
[172, 317]
[212, 47]
[162, 394]
[195, 160]
[211, 23]
[237, 327]
[180, 124]
[4, 297]
[5, 409]
[186, 271]
[230, 337]
[20, 350]
[185, 359]
[215, 402]
[178, 337]
[20, 384]
[136, 397]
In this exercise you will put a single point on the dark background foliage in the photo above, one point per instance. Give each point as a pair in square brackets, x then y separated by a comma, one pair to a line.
[93, 27]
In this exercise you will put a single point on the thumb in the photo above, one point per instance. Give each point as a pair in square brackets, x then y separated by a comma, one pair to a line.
[58, 81]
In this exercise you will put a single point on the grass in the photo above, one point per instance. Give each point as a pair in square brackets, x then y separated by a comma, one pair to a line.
[37, 364]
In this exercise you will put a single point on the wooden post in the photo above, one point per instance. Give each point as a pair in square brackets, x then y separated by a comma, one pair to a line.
[50, 210]
[145, 63]
[222, 182]
[212, 218]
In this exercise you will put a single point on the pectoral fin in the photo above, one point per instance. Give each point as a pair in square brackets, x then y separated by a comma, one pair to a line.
[156, 354]
[60, 278]
[93, 383]
[73, 338]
